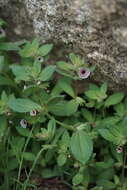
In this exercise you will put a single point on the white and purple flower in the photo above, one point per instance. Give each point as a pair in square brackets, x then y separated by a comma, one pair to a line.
[83, 73]
[33, 113]
[119, 149]
[23, 123]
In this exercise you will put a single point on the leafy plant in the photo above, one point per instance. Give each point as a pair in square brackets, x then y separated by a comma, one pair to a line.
[48, 129]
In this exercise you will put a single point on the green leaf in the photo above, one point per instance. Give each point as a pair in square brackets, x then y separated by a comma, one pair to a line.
[107, 185]
[114, 99]
[65, 138]
[1, 63]
[61, 160]
[45, 49]
[58, 109]
[92, 94]
[23, 105]
[93, 87]
[30, 49]
[65, 66]
[81, 146]
[111, 120]
[87, 115]
[95, 95]
[104, 88]
[120, 109]
[47, 73]
[6, 81]
[12, 164]
[29, 156]
[51, 127]
[21, 72]
[71, 107]
[75, 59]
[2, 22]
[9, 46]
[77, 179]
[65, 85]
[23, 132]
[106, 134]
[4, 97]
[3, 127]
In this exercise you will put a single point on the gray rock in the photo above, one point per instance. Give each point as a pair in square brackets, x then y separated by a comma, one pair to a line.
[94, 29]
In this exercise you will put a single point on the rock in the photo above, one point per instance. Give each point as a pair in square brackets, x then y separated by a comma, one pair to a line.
[96, 30]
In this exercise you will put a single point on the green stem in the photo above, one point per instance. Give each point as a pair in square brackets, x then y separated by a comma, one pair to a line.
[124, 163]
[33, 166]
[21, 162]
[69, 127]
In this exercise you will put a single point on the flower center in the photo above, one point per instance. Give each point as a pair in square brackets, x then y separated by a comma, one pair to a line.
[83, 71]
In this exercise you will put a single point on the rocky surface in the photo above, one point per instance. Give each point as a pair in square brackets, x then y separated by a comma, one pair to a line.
[97, 30]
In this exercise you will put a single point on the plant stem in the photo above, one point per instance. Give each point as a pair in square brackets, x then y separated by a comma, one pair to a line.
[69, 127]
[33, 166]
[124, 163]
[21, 162]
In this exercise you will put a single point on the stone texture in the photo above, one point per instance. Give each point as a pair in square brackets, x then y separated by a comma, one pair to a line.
[94, 29]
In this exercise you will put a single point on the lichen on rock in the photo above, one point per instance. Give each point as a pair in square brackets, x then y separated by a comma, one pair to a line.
[96, 30]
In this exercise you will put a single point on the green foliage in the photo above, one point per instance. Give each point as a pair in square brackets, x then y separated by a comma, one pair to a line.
[49, 129]
[81, 146]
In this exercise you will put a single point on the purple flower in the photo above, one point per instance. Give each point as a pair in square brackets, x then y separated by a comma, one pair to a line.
[33, 113]
[23, 123]
[119, 149]
[83, 73]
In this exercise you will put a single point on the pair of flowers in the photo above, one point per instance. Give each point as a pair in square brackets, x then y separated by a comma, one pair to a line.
[24, 123]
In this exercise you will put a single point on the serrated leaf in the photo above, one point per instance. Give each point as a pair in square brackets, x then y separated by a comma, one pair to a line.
[114, 99]
[71, 107]
[106, 134]
[61, 160]
[23, 105]
[23, 132]
[9, 46]
[87, 115]
[65, 138]
[77, 179]
[47, 73]
[120, 109]
[65, 66]
[30, 49]
[5, 81]
[1, 63]
[81, 146]
[45, 49]
[66, 87]
[21, 72]
[104, 88]
[92, 94]
[51, 127]
[58, 109]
